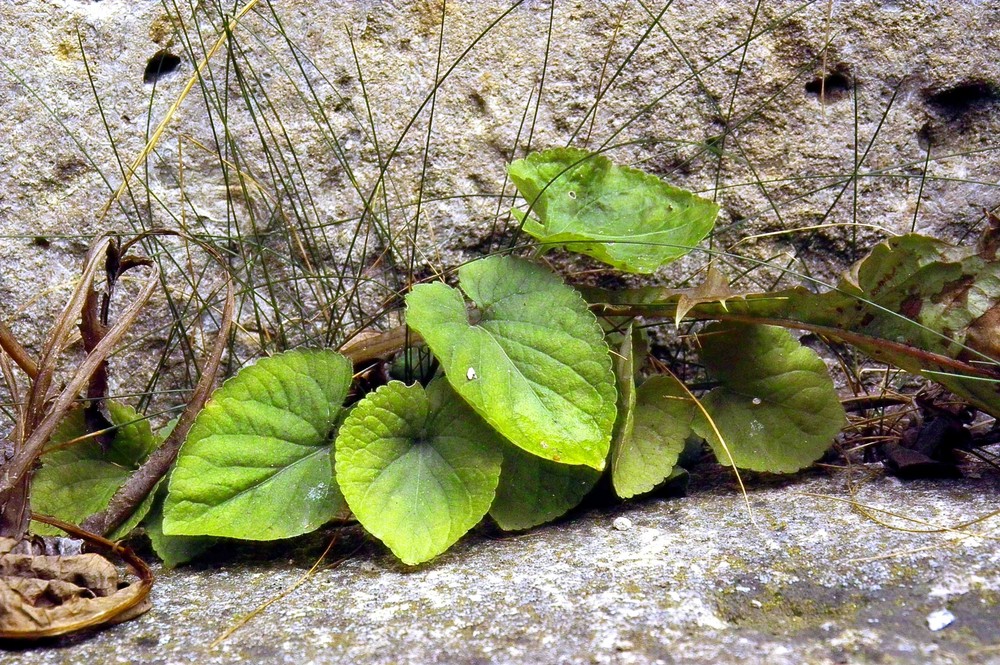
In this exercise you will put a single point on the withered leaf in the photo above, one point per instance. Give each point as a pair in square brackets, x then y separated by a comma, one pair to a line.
[989, 241]
[91, 571]
[47, 595]
[715, 289]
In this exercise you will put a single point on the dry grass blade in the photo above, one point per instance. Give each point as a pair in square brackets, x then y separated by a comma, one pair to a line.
[925, 526]
[711, 423]
[172, 111]
[244, 620]
[144, 480]
[48, 416]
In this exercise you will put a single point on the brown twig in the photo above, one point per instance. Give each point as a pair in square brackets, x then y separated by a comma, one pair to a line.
[17, 352]
[144, 480]
[47, 415]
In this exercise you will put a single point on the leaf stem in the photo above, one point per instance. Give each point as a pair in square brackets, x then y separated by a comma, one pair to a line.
[17, 352]
[42, 416]
[856, 339]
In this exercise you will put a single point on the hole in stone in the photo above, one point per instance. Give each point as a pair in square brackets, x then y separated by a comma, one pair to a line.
[833, 86]
[962, 98]
[478, 101]
[926, 136]
[161, 63]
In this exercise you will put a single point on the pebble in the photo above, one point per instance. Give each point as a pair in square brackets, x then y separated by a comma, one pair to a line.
[622, 523]
[939, 619]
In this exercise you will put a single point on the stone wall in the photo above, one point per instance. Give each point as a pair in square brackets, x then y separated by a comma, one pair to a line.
[769, 108]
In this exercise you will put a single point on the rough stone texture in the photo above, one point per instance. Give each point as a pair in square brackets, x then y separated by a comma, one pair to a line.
[925, 75]
[685, 580]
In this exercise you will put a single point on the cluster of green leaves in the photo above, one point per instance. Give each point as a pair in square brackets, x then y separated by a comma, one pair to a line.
[535, 398]
[914, 302]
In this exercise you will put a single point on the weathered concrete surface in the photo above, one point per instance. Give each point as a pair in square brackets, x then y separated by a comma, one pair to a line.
[662, 581]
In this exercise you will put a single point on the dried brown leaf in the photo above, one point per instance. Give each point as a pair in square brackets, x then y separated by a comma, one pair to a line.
[44, 595]
[90, 570]
[32, 608]
[715, 288]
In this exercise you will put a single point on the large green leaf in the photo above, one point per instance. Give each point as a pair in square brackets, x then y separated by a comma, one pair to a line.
[645, 455]
[418, 468]
[619, 215]
[776, 407]
[533, 490]
[530, 358]
[257, 462]
[79, 480]
[172, 550]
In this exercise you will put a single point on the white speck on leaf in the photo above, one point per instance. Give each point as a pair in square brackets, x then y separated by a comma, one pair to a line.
[471, 375]
[316, 493]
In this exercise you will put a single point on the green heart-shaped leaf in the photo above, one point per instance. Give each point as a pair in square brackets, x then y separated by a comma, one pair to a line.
[531, 360]
[776, 409]
[172, 550]
[533, 490]
[418, 468]
[257, 462]
[621, 216]
[79, 480]
[644, 455]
